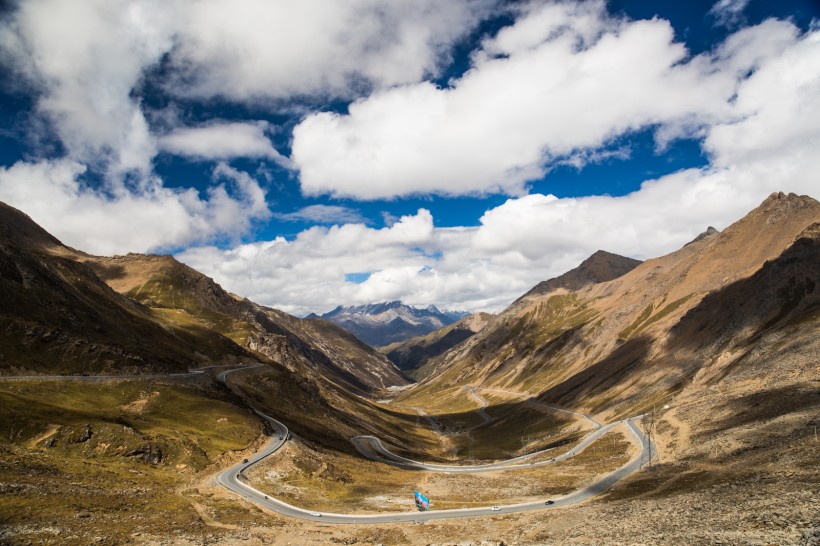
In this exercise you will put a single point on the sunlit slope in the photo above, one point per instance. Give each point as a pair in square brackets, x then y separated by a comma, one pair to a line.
[617, 346]
[412, 354]
[185, 297]
[56, 316]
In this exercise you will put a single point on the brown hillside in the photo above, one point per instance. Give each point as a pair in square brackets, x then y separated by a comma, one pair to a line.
[56, 316]
[186, 296]
[612, 346]
[600, 267]
[411, 355]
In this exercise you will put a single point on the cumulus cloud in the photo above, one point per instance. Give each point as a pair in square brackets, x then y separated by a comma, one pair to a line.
[564, 79]
[84, 59]
[86, 63]
[261, 49]
[323, 214]
[320, 256]
[555, 87]
[148, 219]
[223, 140]
[766, 140]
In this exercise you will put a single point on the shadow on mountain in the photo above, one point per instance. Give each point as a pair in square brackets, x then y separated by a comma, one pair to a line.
[614, 370]
[764, 406]
[109, 272]
[782, 293]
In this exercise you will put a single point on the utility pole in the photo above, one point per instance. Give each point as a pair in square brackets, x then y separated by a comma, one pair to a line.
[648, 422]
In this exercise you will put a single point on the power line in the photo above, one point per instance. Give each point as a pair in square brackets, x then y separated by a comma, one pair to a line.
[648, 423]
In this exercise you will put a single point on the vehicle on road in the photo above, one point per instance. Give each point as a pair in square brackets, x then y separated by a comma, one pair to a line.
[316, 514]
[549, 502]
[280, 438]
[244, 461]
[496, 508]
[266, 496]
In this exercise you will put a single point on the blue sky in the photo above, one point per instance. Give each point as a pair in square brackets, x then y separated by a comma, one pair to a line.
[447, 153]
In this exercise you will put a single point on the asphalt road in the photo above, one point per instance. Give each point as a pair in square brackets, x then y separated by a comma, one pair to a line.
[372, 448]
[233, 479]
[481, 411]
[92, 378]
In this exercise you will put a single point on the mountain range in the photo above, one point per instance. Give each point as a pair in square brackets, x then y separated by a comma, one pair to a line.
[691, 316]
[717, 341]
[381, 324]
[65, 311]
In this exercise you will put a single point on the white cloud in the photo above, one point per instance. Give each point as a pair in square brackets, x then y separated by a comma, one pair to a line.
[728, 13]
[766, 141]
[776, 114]
[85, 58]
[305, 274]
[143, 220]
[222, 140]
[86, 62]
[323, 214]
[258, 49]
[565, 79]
[555, 87]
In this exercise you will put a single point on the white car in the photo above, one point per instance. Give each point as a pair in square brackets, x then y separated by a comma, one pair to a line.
[496, 508]
[316, 514]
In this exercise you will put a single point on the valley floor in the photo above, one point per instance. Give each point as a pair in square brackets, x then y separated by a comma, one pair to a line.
[719, 481]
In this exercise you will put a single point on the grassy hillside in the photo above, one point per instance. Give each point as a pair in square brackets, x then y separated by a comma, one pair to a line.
[90, 456]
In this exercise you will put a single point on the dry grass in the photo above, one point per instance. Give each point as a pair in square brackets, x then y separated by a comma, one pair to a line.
[65, 470]
[336, 482]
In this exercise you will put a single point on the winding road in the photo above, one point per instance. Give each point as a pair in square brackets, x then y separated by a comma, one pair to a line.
[234, 479]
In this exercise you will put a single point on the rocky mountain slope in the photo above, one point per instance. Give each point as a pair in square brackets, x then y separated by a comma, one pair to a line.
[615, 346]
[65, 311]
[600, 267]
[184, 295]
[381, 324]
[57, 316]
[414, 353]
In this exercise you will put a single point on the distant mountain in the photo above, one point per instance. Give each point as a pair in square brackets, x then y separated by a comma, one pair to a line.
[381, 324]
[413, 353]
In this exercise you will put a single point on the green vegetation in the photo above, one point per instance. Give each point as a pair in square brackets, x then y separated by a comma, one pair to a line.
[194, 428]
[110, 458]
[646, 317]
[321, 480]
[171, 298]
